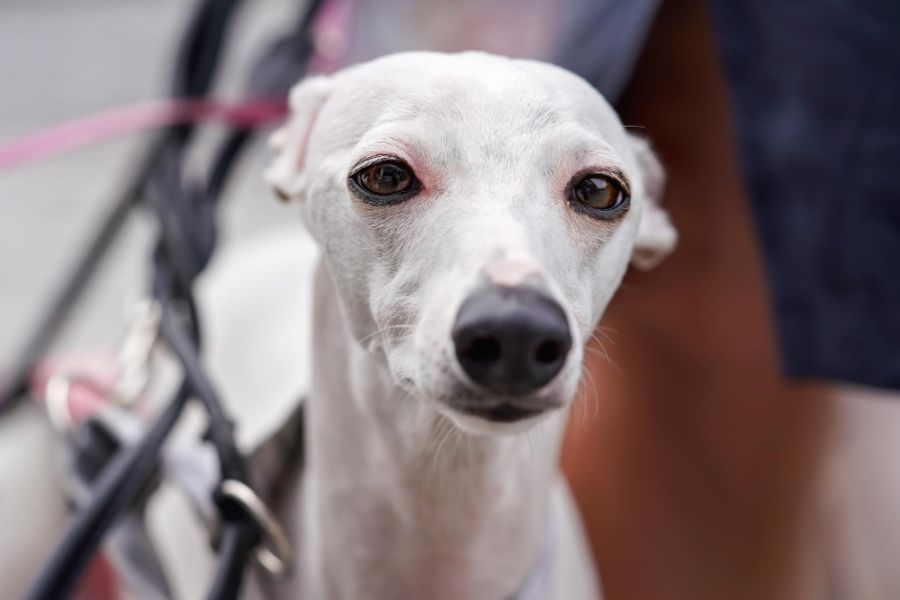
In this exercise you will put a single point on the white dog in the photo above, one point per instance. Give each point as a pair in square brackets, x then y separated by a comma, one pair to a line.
[475, 216]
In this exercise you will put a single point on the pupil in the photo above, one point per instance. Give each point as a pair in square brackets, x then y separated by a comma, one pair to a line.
[595, 192]
[389, 178]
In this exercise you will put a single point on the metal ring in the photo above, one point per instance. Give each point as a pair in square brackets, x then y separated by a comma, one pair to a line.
[275, 554]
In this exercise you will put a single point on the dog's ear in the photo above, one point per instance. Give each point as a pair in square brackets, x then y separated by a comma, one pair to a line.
[656, 237]
[286, 173]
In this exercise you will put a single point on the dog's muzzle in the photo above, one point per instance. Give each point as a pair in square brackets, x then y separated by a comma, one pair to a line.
[510, 341]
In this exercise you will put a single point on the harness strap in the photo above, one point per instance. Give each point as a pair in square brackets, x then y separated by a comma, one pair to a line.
[191, 467]
[187, 463]
[128, 546]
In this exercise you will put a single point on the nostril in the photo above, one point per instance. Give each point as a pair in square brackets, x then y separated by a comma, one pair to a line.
[548, 352]
[484, 350]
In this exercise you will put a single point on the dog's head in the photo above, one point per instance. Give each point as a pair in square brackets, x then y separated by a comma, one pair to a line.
[476, 214]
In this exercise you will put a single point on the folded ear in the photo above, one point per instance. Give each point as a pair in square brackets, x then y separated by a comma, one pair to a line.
[656, 237]
[286, 172]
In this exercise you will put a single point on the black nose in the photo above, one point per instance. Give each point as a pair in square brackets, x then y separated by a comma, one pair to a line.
[511, 340]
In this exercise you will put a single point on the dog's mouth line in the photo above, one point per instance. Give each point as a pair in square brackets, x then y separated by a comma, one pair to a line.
[505, 412]
[536, 405]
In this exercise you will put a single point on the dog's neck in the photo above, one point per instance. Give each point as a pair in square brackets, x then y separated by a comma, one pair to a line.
[398, 502]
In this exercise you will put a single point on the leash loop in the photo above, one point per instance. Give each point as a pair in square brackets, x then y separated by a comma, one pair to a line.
[65, 387]
[68, 397]
[136, 353]
[274, 553]
[56, 401]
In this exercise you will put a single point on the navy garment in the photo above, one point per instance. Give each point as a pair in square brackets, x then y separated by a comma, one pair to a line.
[815, 86]
[601, 40]
[816, 94]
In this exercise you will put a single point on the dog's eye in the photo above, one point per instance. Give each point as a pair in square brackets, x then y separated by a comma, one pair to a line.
[388, 181]
[600, 195]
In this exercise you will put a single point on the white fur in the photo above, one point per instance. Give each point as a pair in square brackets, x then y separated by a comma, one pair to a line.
[404, 496]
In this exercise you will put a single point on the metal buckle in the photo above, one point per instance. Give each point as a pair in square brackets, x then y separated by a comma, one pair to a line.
[274, 555]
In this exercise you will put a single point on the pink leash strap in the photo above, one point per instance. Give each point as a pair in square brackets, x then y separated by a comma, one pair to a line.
[129, 119]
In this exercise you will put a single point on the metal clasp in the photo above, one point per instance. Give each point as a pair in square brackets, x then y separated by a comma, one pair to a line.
[275, 554]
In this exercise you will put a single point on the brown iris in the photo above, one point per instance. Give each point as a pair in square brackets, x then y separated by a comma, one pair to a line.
[387, 178]
[599, 193]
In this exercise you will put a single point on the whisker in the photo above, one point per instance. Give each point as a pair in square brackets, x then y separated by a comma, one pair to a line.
[607, 332]
[595, 396]
[377, 332]
[385, 329]
[446, 434]
[580, 399]
[609, 359]
[582, 419]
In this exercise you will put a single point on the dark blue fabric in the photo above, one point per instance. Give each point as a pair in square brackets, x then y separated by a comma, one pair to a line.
[816, 90]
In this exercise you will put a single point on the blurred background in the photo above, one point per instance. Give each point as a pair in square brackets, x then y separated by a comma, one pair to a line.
[60, 62]
[706, 472]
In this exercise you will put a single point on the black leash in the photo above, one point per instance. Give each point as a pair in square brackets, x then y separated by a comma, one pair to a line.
[187, 236]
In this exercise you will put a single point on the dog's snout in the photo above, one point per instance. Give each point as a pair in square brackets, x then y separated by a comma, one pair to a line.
[511, 340]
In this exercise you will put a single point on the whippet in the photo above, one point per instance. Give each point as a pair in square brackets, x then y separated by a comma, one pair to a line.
[475, 215]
